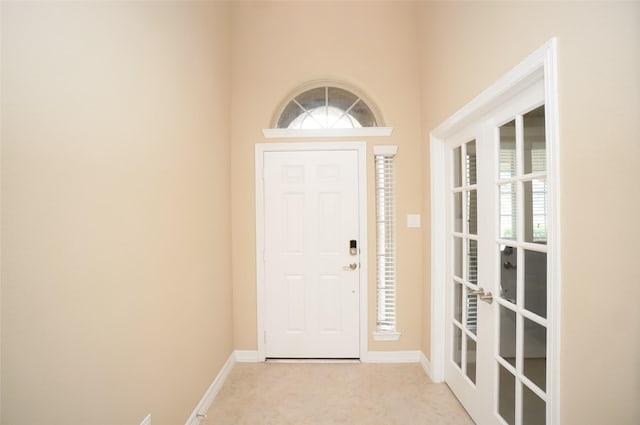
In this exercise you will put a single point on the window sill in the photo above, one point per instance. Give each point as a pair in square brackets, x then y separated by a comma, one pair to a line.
[386, 336]
[283, 133]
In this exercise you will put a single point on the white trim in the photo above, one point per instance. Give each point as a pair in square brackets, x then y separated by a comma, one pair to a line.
[246, 356]
[387, 150]
[438, 258]
[540, 65]
[208, 397]
[288, 133]
[426, 365]
[393, 357]
[146, 420]
[386, 336]
[260, 149]
[553, 244]
[523, 75]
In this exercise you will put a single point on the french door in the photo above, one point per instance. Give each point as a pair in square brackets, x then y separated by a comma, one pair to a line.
[496, 293]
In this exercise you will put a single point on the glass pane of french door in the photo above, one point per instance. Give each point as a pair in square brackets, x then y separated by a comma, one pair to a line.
[521, 343]
[464, 274]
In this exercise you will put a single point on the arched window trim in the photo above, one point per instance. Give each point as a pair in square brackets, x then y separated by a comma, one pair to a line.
[275, 132]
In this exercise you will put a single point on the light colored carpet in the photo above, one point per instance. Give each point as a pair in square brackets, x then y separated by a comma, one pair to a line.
[326, 394]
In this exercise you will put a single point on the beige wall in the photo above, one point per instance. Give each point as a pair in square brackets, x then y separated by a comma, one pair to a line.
[128, 129]
[277, 46]
[116, 278]
[468, 46]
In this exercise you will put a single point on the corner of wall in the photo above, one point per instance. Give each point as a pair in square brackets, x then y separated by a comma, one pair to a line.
[146, 420]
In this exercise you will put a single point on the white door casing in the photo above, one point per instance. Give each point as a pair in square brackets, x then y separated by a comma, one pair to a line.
[309, 206]
[479, 120]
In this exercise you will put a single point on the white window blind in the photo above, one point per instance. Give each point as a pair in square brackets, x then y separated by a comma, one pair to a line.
[507, 194]
[385, 240]
[539, 195]
[472, 245]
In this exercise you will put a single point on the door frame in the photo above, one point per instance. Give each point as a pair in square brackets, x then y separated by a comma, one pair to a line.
[260, 150]
[541, 65]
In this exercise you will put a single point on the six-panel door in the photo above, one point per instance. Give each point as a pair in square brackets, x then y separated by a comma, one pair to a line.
[312, 275]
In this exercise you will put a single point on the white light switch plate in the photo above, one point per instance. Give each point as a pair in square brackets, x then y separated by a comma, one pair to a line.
[413, 220]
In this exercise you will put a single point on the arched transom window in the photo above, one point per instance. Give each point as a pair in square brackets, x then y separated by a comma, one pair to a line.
[326, 107]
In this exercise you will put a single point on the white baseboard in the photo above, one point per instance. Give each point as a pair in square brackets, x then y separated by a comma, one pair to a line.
[393, 357]
[146, 420]
[246, 356]
[238, 356]
[210, 395]
[426, 364]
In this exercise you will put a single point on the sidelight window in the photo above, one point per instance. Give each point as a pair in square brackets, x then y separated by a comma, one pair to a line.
[385, 243]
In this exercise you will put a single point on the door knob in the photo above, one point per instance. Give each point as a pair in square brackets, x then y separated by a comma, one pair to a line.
[350, 267]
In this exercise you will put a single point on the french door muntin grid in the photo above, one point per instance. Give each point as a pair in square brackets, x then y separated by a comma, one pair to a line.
[465, 254]
[521, 178]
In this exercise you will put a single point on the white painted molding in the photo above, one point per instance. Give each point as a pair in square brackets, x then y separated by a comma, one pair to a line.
[426, 365]
[528, 71]
[288, 133]
[393, 357]
[438, 258]
[386, 336]
[146, 420]
[246, 356]
[210, 394]
[555, 273]
[387, 150]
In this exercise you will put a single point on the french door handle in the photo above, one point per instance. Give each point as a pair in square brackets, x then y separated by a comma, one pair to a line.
[478, 291]
[486, 297]
[350, 267]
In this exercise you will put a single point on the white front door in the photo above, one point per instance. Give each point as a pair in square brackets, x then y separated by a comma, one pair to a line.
[497, 328]
[312, 254]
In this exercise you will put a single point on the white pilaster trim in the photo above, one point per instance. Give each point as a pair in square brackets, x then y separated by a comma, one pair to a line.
[438, 257]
